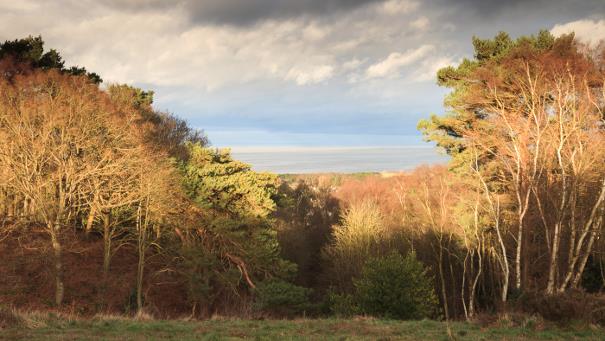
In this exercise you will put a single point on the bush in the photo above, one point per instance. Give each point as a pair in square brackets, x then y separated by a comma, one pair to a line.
[396, 287]
[343, 305]
[280, 298]
[8, 318]
[564, 308]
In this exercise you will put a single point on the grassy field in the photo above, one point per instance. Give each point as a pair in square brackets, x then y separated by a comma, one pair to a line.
[307, 329]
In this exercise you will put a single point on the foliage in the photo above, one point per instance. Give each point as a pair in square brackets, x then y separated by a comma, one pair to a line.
[233, 243]
[305, 214]
[164, 132]
[447, 130]
[95, 180]
[214, 180]
[280, 298]
[564, 308]
[524, 128]
[30, 52]
[362, 234]
[343, 305]
[396, 287]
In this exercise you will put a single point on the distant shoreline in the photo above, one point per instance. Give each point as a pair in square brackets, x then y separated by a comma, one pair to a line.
[258, 149]
[343, 160]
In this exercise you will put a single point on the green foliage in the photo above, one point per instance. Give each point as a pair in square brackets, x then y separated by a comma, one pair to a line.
[486, 49]
[396, 287]
[237, 246]
[221, 262]
[30, 51]
[281, 298]
[447, 130]
[343, 305]
[213, 179]
[196, 267]
[304, 219]
[130, 95]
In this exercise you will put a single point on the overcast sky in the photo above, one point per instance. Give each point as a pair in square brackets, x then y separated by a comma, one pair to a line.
[296, 72]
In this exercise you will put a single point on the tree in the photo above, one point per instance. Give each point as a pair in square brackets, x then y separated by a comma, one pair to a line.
[360, 235]
[55, 131]
[528, 114]
[215, 181]
[306, 211]
[232, 241]
[21, 55]
[396, 287]
[163, 132]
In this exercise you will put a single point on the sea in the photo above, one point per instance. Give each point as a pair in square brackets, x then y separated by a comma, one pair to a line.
[304, 160]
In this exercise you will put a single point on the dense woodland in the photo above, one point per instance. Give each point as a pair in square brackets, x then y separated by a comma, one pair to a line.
[108, 205]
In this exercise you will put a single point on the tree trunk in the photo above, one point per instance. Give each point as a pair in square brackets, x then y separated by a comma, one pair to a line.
[106, 244]
[141, 246]
[463, 285]
[473, 291]
[57, 253]
[91, 218]
[518, 254]
[442, 280]
[552, 268]
[588, 229]
[587, 252]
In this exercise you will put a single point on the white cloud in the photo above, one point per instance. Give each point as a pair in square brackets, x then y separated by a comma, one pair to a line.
[421, 23]
[427, 71]
[162, 49]
[18, 6]
[395, 61]
[311, 75]
[589, 31]
[351, 64]
[395, 7]
[314, 32]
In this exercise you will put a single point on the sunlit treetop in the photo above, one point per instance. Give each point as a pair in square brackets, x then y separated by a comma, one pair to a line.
[496, 64]
[29, 52]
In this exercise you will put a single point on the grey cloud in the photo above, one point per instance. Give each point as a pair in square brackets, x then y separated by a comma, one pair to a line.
[489, 8]
[247, 12]
[482, 10]
[243, 12]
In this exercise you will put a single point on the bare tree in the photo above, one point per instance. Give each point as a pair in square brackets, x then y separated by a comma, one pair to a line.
[55, 130]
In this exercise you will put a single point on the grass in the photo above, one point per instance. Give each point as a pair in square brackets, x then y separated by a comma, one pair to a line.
[45, 326]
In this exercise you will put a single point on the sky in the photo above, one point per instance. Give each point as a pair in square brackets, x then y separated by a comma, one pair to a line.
[288, 73]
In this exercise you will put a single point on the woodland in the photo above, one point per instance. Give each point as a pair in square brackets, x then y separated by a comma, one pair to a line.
[108, 205]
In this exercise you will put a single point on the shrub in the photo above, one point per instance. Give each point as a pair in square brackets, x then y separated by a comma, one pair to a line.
[362, 234]
[396, 287]
[280, 298]
[8, 318]
[564, 308]
[343, 305]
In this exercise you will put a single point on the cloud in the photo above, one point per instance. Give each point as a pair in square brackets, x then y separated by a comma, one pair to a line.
[394, 7]
[311, 75]
[589, 31]
[280, 64]
[421, 23]
[351, 64]
[242, 12]
[427, 71]
[395, 61]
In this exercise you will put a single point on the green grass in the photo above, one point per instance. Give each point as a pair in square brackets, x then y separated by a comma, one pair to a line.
[305, 329]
